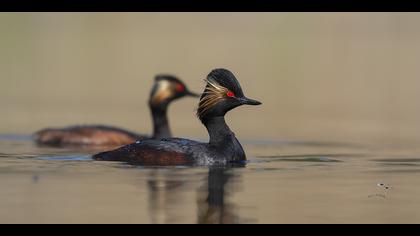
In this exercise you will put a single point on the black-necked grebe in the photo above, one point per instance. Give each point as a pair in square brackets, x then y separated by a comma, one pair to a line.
[222, 93]
[166, 89]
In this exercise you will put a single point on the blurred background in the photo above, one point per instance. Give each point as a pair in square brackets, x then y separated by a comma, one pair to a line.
[320, 76]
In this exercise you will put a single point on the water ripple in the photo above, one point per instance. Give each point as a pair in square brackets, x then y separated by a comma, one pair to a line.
[307, 158]
[398, 160]
[65, 158]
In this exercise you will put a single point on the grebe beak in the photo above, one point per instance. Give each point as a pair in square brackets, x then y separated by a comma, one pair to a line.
[248, 101]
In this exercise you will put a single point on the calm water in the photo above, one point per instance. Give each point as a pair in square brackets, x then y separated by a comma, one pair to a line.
[284, 182]
[335, 141]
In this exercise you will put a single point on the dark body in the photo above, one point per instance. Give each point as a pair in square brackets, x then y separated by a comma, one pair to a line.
[97, 135]
[223, 148]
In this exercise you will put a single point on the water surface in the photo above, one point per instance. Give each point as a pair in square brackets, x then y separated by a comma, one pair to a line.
[283, 182]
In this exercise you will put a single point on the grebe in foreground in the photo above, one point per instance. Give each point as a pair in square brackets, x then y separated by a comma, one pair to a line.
[222, 94]
[166, 89]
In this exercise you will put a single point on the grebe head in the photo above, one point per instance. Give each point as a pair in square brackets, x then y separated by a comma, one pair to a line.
[221, 94]
[168, 88]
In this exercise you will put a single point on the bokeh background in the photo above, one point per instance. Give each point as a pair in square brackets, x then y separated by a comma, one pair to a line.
[321, 76]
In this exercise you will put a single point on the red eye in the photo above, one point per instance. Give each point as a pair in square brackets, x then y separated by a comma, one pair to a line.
[180, 88]
[230, 94]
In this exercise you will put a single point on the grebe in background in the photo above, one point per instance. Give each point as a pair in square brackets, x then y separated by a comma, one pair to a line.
[222, 94]
[166, 89]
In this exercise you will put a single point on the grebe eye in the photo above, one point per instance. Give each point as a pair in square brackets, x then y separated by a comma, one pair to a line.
[180, 88]
[230, 94]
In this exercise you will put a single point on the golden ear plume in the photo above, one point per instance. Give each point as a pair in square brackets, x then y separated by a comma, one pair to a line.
[212, 95]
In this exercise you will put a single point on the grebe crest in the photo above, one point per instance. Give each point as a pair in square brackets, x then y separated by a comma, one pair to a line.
[221, 94]
[168, 88]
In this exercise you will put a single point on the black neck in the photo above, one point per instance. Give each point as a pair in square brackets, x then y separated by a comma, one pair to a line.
[160, 122]
[219, 131]
[223, 140]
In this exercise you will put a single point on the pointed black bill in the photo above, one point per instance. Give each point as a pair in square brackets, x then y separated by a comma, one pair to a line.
[248, 101]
